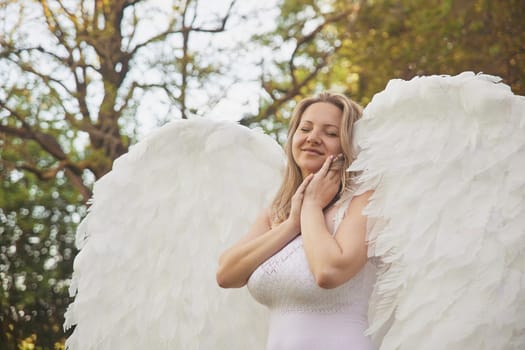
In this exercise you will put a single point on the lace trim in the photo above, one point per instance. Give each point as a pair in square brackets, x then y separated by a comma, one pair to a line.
[308, 309]
[271, 265]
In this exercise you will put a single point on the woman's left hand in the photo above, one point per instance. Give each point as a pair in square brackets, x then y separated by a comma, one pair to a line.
[324, 185]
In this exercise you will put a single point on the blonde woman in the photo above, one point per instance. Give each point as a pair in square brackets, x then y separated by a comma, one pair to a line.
[305, 257]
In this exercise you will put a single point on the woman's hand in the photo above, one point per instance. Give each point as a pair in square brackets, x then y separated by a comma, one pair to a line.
[324, 185]
[297, 202]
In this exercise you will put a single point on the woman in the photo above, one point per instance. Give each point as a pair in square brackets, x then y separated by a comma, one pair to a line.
[306, 256]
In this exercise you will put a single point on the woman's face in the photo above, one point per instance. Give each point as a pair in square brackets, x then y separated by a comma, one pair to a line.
[317, 136]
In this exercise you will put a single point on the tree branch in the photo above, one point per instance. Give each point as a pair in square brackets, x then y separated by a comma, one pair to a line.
[289, 92]
[128, 97]
[78, 183]
[158, 86]
[158, 37]
[42, 174]
[69, 15]
[73, 173]
[53, 25]
[133, 29]
[171, 29]
[128, 3]
[46, 78]
[46, 141]
[222, 26]
[21, 133]
[310, 37]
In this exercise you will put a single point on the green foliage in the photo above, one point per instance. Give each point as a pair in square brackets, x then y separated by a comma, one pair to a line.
[73, 77]
[304, 42]
[402, 39]
[366, 43]
[37, 223]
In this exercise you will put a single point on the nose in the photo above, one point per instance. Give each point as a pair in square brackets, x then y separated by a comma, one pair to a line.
[313, 138]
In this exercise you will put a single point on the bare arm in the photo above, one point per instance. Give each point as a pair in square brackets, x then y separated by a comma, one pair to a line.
[333, 260]
[262, 241]
[238, 262]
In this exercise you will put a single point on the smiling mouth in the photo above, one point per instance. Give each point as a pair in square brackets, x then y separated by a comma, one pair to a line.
[312, 151]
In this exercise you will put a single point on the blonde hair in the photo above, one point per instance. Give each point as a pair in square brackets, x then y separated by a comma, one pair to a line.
[351, 112]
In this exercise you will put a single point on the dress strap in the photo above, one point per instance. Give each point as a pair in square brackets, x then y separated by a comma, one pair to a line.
[342, 206]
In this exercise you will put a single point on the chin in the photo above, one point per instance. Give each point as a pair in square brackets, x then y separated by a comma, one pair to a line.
[310, 168]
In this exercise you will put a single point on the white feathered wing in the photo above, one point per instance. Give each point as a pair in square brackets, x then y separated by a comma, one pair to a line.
[446, 157]
[145, 274]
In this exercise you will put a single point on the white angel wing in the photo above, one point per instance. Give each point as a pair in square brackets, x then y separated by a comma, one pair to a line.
[145, 274]
[446, 156]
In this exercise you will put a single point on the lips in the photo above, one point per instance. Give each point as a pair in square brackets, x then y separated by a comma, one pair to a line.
[313, 151]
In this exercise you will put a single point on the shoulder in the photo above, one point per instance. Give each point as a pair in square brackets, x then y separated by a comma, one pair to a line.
[359, 202]
[364, 196]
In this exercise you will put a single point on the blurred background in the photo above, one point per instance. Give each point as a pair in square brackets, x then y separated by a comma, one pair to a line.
[82, 81]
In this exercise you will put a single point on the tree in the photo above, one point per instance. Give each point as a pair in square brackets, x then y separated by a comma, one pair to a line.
[73, 75]
[86, 75]
[402, 39]
[37, 224]
[304, 44]
[355, 47]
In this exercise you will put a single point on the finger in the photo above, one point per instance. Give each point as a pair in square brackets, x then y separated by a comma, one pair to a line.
[334, 175]
[337, 162]
[305, 183]
[326, 165]
[307, 180]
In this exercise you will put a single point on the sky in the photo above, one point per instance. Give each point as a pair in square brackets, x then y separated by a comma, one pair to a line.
[240, 84]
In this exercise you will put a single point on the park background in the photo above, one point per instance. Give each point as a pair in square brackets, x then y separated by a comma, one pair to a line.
[82, 81]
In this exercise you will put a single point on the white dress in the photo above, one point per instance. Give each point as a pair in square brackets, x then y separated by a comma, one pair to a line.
[305, 316]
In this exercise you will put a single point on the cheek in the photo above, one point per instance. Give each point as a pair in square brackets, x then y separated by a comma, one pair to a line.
[296, 141]
[335, 146]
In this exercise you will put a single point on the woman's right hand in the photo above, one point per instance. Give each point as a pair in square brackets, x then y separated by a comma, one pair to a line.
[297, 202]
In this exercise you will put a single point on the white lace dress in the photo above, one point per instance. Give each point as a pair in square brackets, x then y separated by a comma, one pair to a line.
[305, 316]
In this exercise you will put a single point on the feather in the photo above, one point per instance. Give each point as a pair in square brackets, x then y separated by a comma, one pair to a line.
[446, 157]
[145, 274]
